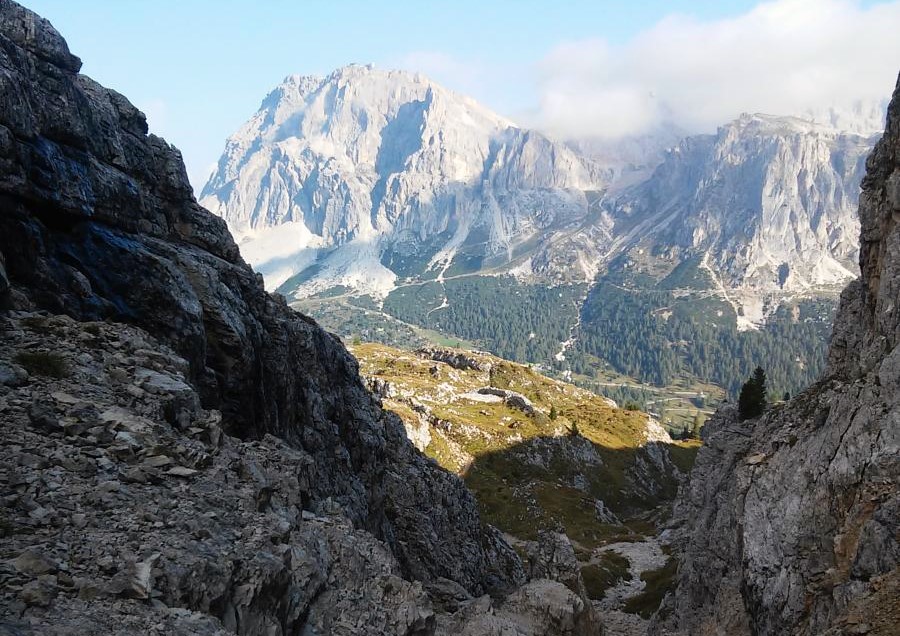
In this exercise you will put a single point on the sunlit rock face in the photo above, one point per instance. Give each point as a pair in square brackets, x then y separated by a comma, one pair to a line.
[375, 174]
[767, 205]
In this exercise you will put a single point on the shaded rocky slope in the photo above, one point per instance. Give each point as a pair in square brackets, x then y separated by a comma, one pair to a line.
[542, 455]
[117, 521]
[789, 522]
[97, 222]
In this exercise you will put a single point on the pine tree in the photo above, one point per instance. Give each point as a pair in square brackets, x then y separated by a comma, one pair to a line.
[759, 379]
[752, 400]
[553, 413]
[698, 423]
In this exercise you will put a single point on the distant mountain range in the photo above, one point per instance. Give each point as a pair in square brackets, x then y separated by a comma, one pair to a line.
[383, 185]
[366, 176]
[764, 208]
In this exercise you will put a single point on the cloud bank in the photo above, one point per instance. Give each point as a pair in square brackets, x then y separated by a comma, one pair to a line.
[782, 57]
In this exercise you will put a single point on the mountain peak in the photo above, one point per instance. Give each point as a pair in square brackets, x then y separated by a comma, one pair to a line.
[369, 158]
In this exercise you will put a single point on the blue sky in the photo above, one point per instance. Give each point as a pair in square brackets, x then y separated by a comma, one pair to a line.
[200, 68]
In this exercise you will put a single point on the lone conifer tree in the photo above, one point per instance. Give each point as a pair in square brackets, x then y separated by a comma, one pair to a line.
[752, 400]
[698, 424]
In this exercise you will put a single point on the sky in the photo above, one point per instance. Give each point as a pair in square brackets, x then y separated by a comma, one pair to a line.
[572, 68]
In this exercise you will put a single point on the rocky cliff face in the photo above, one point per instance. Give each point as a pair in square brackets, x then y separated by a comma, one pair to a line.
[768, 204]
[790, 521]
[116, 520]
[98, 223]
[380, 174]
[367, 177]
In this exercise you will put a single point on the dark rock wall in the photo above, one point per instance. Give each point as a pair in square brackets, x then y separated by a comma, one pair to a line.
[98, 221]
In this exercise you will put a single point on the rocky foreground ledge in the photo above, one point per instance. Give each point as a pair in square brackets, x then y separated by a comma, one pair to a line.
[128, 510]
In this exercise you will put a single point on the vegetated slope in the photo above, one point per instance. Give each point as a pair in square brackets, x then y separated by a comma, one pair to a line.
[658, 335]
[647, 331]
[516, 321]
[789, 522]
[538, 454]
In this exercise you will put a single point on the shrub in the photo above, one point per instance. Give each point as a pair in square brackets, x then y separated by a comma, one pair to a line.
[658, 583]
[599, 577]
[697, 425]
[45, 363]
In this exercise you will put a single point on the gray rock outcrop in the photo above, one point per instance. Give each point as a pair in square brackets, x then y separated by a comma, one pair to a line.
[455, 359]
[512, 399]
[769, 203]
[789, 522]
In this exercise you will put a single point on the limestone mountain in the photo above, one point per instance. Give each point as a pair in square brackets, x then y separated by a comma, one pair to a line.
[365, 176]
[762, 210]
[386, 172]
[381, 190]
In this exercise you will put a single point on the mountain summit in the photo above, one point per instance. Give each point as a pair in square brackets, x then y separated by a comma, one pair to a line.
[765, 207]
[366, 177]
[370, 175]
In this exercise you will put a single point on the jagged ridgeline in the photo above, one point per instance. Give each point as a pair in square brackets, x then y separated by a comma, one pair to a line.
[384, 205]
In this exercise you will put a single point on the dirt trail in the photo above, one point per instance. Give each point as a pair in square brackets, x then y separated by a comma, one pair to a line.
[642, 556]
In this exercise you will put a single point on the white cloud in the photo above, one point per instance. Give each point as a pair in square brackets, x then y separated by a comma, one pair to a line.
[782, 57]
[500, 86]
